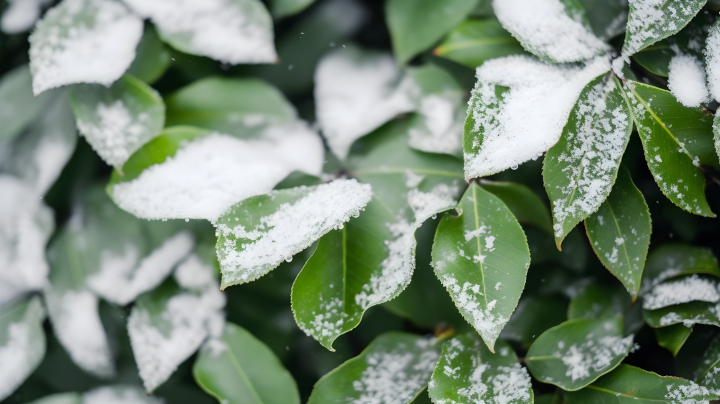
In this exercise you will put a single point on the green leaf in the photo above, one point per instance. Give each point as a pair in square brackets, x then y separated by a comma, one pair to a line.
[525, 204]
[286, 8]
[60, 398]
[474, 41]
[716, 134]
[467, 373]
[533, 316]
[240, 369]
[22, 342]
[696, 312]
[708, 372]
[602, 301]
[577, 352]
[153, 57]
[416, 25]
[394, 368]
[676, 140]
[672, 337]
[483, 248]
[651, 22]
[628, 383]
[619, 232]
[673, 260]
[580, 170]
[18, 107]
[119, 119]
[256, 235]
[239, 107]
[607, 17]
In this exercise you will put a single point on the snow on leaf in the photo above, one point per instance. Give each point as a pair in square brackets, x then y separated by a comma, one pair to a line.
[550, 29]
[83, 41]
[231, 31]
[21, 15]
[686, 80]
[356, 92]
[119, 395]
[440, 130]
[681, 291]
[256, 235]
[207, 175]
[712, 60]
[518, 109]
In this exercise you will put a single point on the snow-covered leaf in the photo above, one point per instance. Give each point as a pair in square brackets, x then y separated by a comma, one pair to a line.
[688, 314]
[285, 8]
[525, 204]
[518, 109]
[394, 368]
[83, 41]
[681, 290]
[240, 369]
[231, 31]
[481, 256]
[606, 17]
[21, 15]
[18, 107]
[468, 373]
[673, 260]
[22, 343]
[193, 173]
[416, 25]
[708, 372]
[652, 20]
[554, 30]
[580, 170]
[357, 91]
[119, 395]
[259, 233]
[153, 57]
[119, 119]
[673, 337]
[577, 352]
[372, 258]
[474, 41]
[619, 232]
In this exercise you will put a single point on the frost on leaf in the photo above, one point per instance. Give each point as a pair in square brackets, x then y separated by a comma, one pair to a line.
[518, 109]
[440, 124]
[83, 41]
[550, 29]
[119, 395]
[231, 31]
[686, 80]
[258, 234]
[356, 92]
[681, 291]
[580, 170]
[211, 173]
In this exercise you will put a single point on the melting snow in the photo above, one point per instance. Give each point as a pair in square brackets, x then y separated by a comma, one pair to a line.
[681, 291]
[686, 80]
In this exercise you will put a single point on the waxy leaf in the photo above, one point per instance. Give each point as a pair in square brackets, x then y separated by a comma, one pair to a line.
[672, 337]
[481, 256]
[533, 316]
[580, 170]
[619, 232]
[119, 119]
[468, 373]
[673, 260]
[695, 312]
[577, 352]
[651, 21]
[708, 372]
[394, 368]
[153, 57]
[474, 41]
[416, 25]
[628, 384]
[18, 107]
[525, 204]
[676, 141]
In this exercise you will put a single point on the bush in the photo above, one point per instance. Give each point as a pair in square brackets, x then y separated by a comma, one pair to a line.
[203, 241]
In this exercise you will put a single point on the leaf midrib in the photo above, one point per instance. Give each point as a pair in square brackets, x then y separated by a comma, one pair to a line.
[241, 373]
[617, 225]
[477, 238]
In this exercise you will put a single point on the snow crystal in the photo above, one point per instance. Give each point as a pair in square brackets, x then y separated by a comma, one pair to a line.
[329, 321]
[20, 353]
[83, 41]
[122, 278]
[210, 174]
[653, 20]
[682, 291]
[289, 230]
[21, 15]
[545, 28]
[231, 31]
[443, 120]
[687, 393]
[686, 80]
[356, 92]
[593, 355]
[527, 119]
[119, 395]
[712, 61]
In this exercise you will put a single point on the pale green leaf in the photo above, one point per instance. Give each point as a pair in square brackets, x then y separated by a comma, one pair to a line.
[18, 107]
[474, 41]
[651, 21]
[285, 8]
[672, 260]
[672, 337]
[525, 204]
[153, 57]
[481, 256]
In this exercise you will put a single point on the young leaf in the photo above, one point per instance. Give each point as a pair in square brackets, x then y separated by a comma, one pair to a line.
[416, 25]
[83, 41]
[577, 352]
[606, 17]
[619, 232]
[467, 373]
[676, 141]
[259, 233]
[695, 312]
[357, 91]
[672, 337]
[579, 171]
[628, 383]
[234, 31]
[22, 343]
[533, 316]
[153, 57]
[525, 204]
[481, 256]
[474, 41]
[118, 120]
[286, 8]
[188, 172]
[554, 30]
[651, 21]
[18, 107]
[672, 260]
[518, 109]
[394, 368]
[239, 369]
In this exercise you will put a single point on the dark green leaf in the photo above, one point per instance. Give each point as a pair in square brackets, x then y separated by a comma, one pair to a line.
[474, 41]
[598, 302]
[18, 107]
[525, 204]
[696, 312]
[672, 260]
[534, 315]
[152, 57]
[467, 373]
[651, 22]
[672, 337]
[607, 17]
[481, 256]
[708, 373]
[284, 8]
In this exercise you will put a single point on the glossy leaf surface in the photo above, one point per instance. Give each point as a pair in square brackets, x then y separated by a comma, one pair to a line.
[474, 41]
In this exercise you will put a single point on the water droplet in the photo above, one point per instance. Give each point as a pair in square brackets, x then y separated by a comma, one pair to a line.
[515, 167]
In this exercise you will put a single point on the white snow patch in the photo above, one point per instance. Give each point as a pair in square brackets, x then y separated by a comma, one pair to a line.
[681, 291]
[712, 61]
[119, 395]
[593, 355]
[653, 20]
[20, 353]
[443, 118]
[686, 80]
